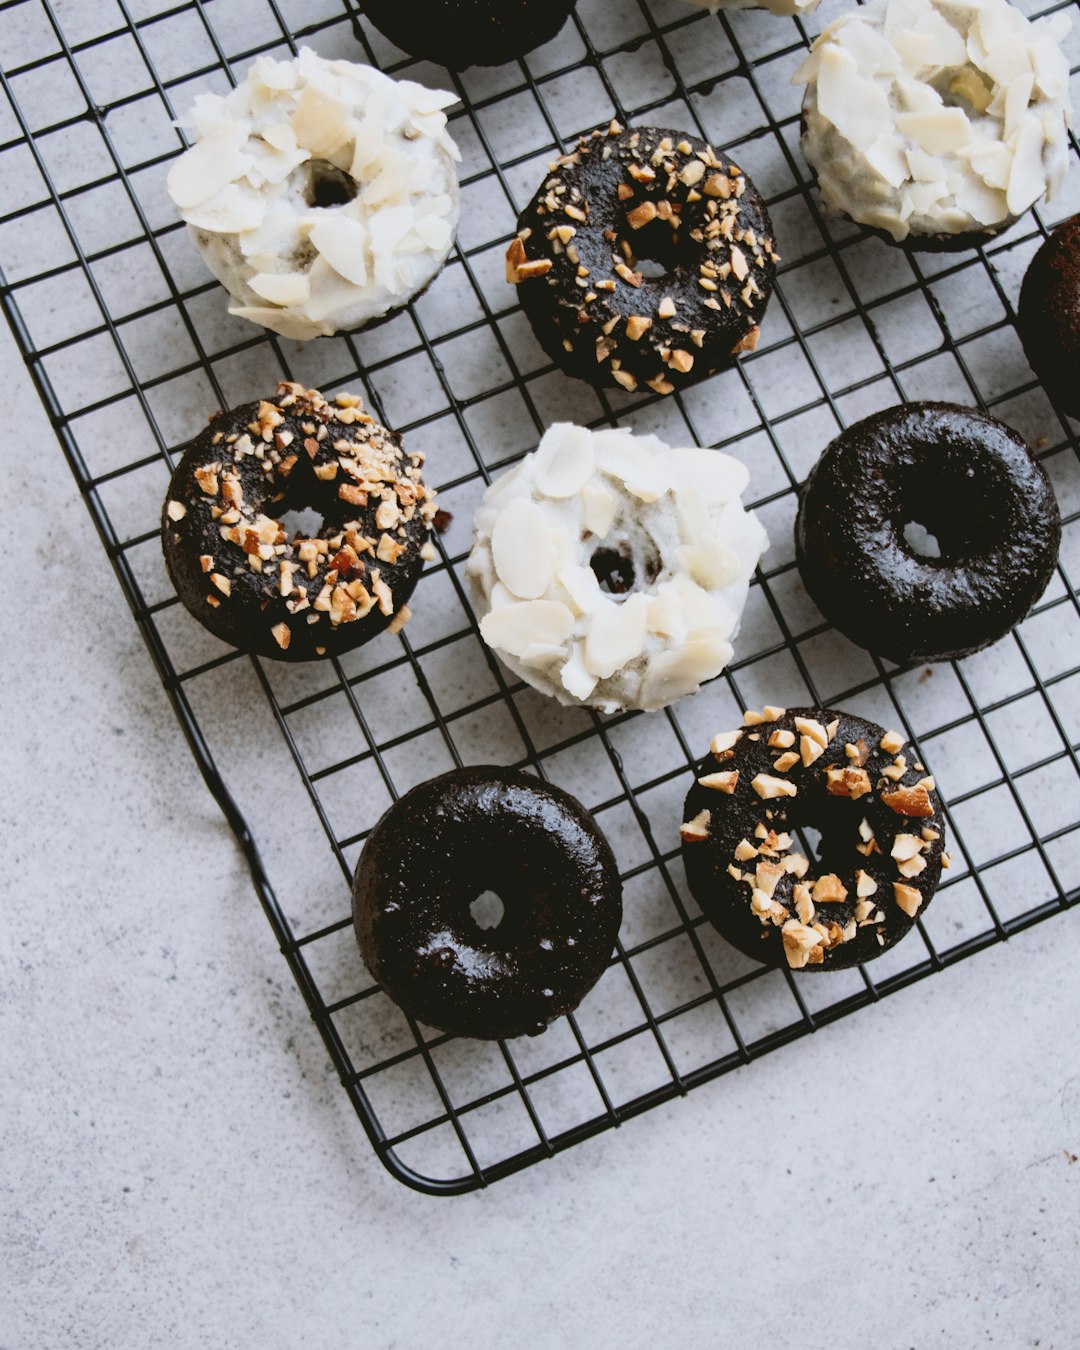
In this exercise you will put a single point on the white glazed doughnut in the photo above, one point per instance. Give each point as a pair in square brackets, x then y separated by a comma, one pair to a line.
[787, 8]
[937, 118]
[666, 526]
[321, 194]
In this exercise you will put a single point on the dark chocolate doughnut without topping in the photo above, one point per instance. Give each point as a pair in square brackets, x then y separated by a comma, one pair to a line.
[446, 843]
[882, 836]
[1048, 315]
[462, 33]
[232, 561]
[645, 258]
[973, 484]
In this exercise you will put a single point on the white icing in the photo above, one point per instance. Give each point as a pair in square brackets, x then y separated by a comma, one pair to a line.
[305, 271]
[783, 7]
[540, 604]
[937, 117]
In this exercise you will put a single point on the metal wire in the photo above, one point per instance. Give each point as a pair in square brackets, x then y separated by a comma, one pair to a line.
[676, 1007]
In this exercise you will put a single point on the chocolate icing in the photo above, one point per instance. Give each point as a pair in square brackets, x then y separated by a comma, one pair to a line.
[972, 483]
[449, 841]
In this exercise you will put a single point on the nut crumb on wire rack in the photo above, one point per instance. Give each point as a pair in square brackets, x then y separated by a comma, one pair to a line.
[129, 346]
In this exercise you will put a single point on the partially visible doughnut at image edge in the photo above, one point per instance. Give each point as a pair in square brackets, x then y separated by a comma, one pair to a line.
[323, 195]
[463, 33]
[783, 8]
[297, 596]
[936, 124]
[611, 570]
[645, 260]
[871, 800]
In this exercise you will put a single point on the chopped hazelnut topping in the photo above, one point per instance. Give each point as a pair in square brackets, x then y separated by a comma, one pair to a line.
[782, 740]
[930, 835]
[753, 719]
[766, 786]
[864, 884]
[896, 769]
[400, 619]
[641, 215]
[694, 831]
[810, 750]
[799, 941]
[223, 584]
[726, 781]
[797, 864]
[666, 308]
[744, 851]
[772, 713]
[892, 742]
[348, 492]
[176, 511]
[636, 326]
[829, 890]
[812, 728]
[907, 897]
[905, 846]
[723, 741]
[847, 782]
[786, 761]
[282, 635]
[804, 905]
[928, 783]
[911, 867]
[909, 801]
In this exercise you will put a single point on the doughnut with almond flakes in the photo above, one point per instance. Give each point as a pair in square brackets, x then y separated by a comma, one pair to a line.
[881, 826]
[299, 597]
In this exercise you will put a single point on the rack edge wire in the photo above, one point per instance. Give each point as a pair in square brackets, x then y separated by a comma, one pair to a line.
[245, 837]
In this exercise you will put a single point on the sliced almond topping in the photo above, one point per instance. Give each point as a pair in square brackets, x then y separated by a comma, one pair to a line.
[696, 830]
[766, 787]
[723, 782]
[864, 884]
[907, 897]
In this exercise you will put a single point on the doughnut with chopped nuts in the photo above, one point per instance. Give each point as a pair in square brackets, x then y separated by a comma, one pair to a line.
[463, 33]
[967, 480]
[475, 832]
[1048, 315]
[934, 123]
[297, 598]
[882, 838]
[611, 570]
[321, 194]
[645, 260]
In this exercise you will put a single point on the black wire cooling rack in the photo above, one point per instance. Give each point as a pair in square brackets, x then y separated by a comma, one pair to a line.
[130, 348]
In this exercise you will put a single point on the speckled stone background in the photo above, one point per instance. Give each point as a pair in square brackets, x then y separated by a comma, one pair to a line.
[181, 1168]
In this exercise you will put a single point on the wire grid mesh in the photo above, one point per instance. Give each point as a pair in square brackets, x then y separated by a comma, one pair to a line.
[130, 348]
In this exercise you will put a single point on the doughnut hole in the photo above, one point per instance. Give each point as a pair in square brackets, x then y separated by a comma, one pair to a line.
[487, 911]
[620, 569]
[947, 511]
[327, 185]
[655, 250]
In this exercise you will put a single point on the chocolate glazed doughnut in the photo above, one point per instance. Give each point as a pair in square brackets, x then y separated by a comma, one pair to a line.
[972, 483]
[461, 33]
[581, 260]
[881, 828]
[1048, 315]
[441, 847]
[233, 562]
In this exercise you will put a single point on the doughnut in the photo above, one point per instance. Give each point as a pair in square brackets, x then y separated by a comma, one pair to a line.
[462, 33]
[443, 846]
[610, 570]
[229, 553]
[968, 480]
[935, 122]
[321, 194]
[875, 807]
[645, 259]
[785, 8]
[1048, 316]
